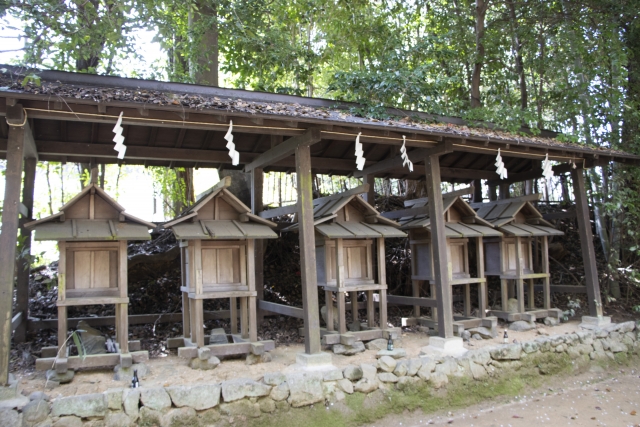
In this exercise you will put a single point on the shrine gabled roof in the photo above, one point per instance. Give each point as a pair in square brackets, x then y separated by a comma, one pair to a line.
[63, 226]
[182, 125]
[326, 210]
[187, 226]
[471, 225]
[502, 214]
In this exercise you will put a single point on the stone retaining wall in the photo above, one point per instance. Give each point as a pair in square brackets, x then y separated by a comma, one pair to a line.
[238, 399]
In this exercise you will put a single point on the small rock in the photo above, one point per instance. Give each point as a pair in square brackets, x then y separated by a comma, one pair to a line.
[242, 408]
[387, 377]
[180, 417]
[267, 405]
[35, 411]
[280, 392]
[401, 368]
[305, 389]
[346, 385]
[349, 350]
[521, 326]
[352, 372]
[84, 406]
[366, 385]
[550, 321]
[397, 353]
[241, 387]
[377, 344]
[368, 371]
[198, 397]
[117, 419]
[485, 333]
[204, 365]
[438, 380]
[465, 335]
[68, 422]
[542, 331]
[62, 378]
[477, 337]
[387, 364]
[155, 398]
[11, 417]
[274, 378]
[507, 352]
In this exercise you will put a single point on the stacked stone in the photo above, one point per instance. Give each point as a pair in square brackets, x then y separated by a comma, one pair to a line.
[239, 399]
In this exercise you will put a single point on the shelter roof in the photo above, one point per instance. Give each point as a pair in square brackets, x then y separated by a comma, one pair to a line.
[470, 225]
[331, 218]
[202, 221]
[173, 124]
[91, 215]
[517, 217]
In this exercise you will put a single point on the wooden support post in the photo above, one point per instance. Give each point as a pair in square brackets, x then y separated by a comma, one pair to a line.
[519, 273]
[586, 243]
[382, 281]
[8, 240]
[233, 310]
[482, 287]
[257, 188]
[62, 331]
[186, 316]
[307, 250]
[328, 299]
[531, 295]
[504, 294]
[371, 310]
[23, 264]
[354, 306]
[467, 300]
[415, 292]
[432, 294]
[477, 191]
[546, 285]
[439, 246]
[198, 322]
[122, 317]
[370, 195]
[493, 195]
[504, 191]
[342, 315]
[251, 283]
[244, 317]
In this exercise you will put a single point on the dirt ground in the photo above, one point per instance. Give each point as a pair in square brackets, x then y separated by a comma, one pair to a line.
[172, 370]
[596, 398]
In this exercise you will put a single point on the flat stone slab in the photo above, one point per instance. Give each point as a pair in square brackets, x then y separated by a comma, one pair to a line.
[397, 353]
[444, 347]
[592, 322]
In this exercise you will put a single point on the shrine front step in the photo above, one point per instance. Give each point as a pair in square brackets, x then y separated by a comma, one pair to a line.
[459, 323]
[528, 316]
[333, 337]
[91, 360]
[190, 350]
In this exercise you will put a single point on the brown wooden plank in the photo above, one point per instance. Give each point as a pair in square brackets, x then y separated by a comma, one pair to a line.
[307, 250]
[586, 243]
[8, 239]
[285, 149]
[281, 309]
[439, 246]
[414, 301]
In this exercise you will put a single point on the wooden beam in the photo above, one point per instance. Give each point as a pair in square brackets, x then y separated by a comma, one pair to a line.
[586, 243]
[285, 310]
[392, 163]
[307, 249]
[370, 195]
[16, 116]
[439, 247]
[23, 263]
[422, 302]
[8, 240]
[285, 149]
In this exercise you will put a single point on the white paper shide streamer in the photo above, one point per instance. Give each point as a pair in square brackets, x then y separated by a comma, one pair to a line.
[501, 170]
[359, 153]
[235, 156]
[547, 170]
[404, 155]
[119, 138]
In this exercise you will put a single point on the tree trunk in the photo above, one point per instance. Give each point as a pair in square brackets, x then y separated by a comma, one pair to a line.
[517, 47]
[204, 26]
[481, 11]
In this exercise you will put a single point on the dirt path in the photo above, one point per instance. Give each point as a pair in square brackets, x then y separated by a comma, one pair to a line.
[592, 399]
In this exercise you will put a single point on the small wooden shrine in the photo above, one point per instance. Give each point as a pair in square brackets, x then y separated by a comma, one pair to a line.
[92, 231]
[520, 255]
[462, 225]
[346, 228]
[217, 245]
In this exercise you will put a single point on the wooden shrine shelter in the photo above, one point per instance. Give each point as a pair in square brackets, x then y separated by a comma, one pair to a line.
[461, 224]
[69, 117]
[217, 238]
[519, 255]
[349, 241]
[92, 231]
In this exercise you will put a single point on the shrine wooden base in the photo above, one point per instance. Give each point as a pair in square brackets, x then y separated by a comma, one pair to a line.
[61, 364]
[529, 315]
[366, 334]
[237, 346]
[460, 323]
